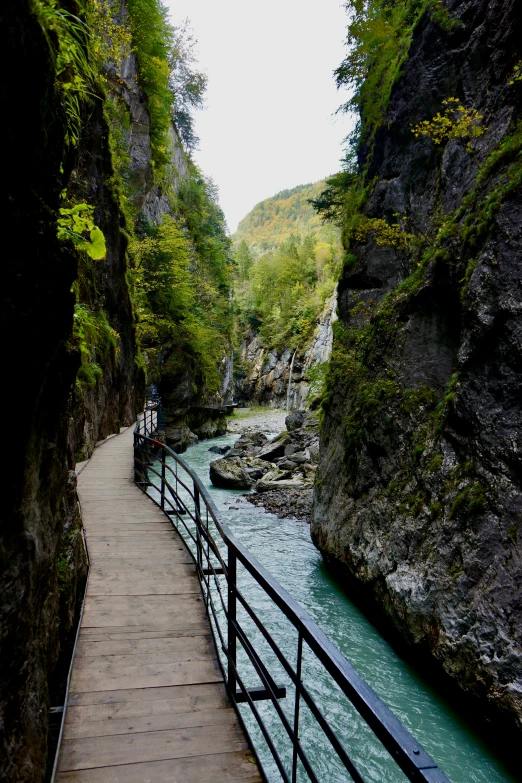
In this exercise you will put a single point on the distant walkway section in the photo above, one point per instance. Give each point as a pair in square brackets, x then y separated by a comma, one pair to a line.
[147, 703]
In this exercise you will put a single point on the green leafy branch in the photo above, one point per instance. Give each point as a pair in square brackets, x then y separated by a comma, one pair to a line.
[77, 224]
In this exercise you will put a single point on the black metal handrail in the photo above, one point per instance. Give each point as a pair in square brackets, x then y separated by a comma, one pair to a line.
[181, 496]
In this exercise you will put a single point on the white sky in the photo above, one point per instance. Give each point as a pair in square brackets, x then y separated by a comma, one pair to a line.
[268, 121]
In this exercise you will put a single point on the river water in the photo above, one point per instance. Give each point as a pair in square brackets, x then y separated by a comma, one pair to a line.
[284, 547]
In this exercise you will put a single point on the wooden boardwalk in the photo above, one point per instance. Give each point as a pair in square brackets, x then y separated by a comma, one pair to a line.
[147, 703]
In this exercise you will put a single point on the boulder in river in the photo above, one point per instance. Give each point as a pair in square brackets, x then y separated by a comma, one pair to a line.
[229, 473]
[264, 484]
[273, 450]
[179, 438]
[219, 449]
[250, 440]
[295, 420]
[256, 468]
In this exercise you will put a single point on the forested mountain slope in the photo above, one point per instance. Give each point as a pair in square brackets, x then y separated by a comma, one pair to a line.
[276, 219]
[419, 492]
[286, 265]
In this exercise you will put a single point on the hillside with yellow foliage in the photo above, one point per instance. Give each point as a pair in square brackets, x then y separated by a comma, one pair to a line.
[282, 216]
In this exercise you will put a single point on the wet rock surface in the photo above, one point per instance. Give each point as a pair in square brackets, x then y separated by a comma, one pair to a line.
[281, 470]
[229, 473]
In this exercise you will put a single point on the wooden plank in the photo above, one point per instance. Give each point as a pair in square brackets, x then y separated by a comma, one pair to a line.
[145, 675]
[115, 663]
[147, 703]
[130, 632]
[149, 630]
[176, 645]
[154, 701]
[162, 611]
[141, 695]
[219, 768]
[123, 572]
[136, 561]
[140, 724]
[125, 541]
[171, 586]
[114, 533]
[92, 752]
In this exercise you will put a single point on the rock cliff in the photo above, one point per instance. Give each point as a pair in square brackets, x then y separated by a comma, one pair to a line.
[101, 408]
[419, 493]
[41, 552]
[267, 373]
[50, 419]
[191, 411]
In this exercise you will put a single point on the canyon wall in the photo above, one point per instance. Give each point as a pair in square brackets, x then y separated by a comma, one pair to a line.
[39, 529]
[265, 373]
[418, 496]
[50, 419]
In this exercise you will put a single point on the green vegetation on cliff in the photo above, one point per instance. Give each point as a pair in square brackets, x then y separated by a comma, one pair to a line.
[181, 278]
[178, 265]
[437, 244]
[286, 265]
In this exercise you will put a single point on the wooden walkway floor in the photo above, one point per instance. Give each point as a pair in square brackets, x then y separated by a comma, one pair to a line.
[147, 703]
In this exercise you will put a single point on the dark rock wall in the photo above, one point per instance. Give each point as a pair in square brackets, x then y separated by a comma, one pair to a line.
[42, 558]
[115, 399]
[38, 374]
[419, 493]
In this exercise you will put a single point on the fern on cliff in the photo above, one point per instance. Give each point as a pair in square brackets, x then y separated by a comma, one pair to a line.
[76, 76]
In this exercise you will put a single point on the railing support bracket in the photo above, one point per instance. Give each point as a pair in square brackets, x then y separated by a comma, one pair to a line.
[260, 694]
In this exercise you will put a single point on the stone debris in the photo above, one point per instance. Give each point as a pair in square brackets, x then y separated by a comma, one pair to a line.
[281, 471]
[295, 503]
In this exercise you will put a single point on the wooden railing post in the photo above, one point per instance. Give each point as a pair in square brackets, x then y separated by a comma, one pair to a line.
[231, 619]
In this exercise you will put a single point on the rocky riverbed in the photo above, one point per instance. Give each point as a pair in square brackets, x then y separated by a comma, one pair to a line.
[280, 469]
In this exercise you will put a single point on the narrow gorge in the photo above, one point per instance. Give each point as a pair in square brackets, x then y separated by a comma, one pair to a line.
[377, 310]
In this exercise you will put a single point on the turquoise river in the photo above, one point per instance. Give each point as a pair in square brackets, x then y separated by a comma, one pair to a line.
[284, 547]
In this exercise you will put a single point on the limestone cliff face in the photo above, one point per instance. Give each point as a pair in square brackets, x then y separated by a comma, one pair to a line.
[267, 371]
[419, 491]
[190, 413]
[152, 202]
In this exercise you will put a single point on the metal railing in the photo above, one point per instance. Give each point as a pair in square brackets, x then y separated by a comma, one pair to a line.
[217, 554]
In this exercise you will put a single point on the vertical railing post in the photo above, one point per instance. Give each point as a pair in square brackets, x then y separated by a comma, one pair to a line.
[162, 478]
[231, 619]
[197, 510]
[297, 704]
